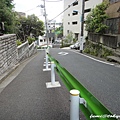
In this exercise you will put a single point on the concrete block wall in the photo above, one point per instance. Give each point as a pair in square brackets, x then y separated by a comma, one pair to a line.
[32, 49]
[8, 52]
[23, 51]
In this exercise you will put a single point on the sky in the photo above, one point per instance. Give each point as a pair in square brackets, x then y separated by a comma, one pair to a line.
[30, 7]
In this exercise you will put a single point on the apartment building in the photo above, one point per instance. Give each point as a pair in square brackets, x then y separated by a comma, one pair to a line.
[72, 16]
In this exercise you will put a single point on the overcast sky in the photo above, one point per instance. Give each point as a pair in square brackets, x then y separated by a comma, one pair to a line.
[30, 7]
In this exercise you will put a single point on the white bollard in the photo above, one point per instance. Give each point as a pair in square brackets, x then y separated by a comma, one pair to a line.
[46, 64]
[52, 73]
[74, 104]
[53, 83]
[46, 61]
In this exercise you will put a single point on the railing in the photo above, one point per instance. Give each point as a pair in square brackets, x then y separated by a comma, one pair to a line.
[93, 106]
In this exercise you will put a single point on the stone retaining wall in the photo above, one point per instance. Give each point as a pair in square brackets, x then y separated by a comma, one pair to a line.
[8, 52]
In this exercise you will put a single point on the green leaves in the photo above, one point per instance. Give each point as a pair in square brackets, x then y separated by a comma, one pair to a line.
[95, 19]
[7, 15]
[29, 26]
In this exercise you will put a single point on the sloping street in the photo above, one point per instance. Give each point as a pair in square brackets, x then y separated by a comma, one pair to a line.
[27, 98]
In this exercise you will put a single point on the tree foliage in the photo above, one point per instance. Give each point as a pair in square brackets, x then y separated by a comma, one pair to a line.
[7, 15]
[95, 19]
[69, 38]
[29, 26]
[59, 31]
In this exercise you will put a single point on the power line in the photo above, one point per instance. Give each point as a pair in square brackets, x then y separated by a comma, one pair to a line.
[59, 13]
[31, 9]
[54, 1]
[64, 10]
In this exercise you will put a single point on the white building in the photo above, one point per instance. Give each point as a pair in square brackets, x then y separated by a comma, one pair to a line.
[42, 42]
[71, 19]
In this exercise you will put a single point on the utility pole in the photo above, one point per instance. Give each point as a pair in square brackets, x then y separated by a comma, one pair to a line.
[82, 26]
[46, 23]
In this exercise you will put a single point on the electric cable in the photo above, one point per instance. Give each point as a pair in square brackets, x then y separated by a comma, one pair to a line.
[31, 9]
[64, 10]
[54, 1]
[59, 13]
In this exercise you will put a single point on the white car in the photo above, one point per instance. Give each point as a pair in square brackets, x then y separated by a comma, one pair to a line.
[77, 46]
[72, 46]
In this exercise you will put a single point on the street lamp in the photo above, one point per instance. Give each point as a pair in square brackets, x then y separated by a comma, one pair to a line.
[82, 25]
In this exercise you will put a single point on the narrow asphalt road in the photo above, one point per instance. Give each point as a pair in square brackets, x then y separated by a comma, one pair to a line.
[102, 80]
[27, 98]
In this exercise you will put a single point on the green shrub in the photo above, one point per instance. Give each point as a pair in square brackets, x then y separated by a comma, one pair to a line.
[30, 40]
[18, 42]
[97, 50]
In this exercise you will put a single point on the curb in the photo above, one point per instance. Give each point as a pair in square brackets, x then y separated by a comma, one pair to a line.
[12, 69]
[7, 73]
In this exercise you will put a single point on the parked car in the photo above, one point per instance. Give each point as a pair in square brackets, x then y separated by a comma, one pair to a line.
[57, 44]
[72, 46]
[77, 46]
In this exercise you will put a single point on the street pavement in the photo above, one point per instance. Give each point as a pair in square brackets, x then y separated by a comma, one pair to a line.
[27, 98]
[100, 78]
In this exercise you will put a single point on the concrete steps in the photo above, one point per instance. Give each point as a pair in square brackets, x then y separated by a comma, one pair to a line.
[113, 59]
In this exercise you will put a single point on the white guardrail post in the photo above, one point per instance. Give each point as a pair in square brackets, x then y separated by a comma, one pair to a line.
[53, 83]
[74, 104]
[46, 59]
[52, 73]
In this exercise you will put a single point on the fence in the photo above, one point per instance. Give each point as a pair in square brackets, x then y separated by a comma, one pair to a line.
[92, 105]
[107, 40]
[25, 50]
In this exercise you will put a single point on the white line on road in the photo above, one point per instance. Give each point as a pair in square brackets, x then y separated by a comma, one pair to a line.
[94, 58]
[62, 53]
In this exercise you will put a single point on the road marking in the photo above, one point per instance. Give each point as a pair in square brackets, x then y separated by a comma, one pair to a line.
[94, 58]
[62, 53]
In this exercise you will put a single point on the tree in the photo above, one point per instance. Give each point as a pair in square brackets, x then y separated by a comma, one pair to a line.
[7, 15]
[59, 31]
[69, 38]
[29, 26]
[95, 19]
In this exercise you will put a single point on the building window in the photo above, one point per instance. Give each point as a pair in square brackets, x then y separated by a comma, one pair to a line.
[68, 31]
[74, 23]
[86, 0]
[76, 36]
[87, 10]
[75, 3]
[68, 23]
[75, 13]
[68, 14]
[41, 40]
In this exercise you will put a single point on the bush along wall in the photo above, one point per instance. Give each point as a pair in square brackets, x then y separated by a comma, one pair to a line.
[97, 49]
